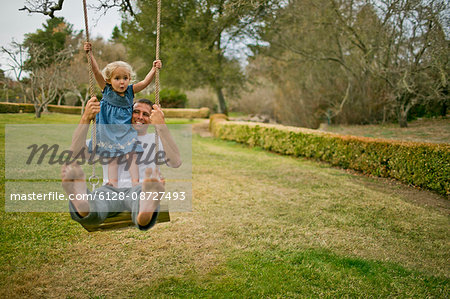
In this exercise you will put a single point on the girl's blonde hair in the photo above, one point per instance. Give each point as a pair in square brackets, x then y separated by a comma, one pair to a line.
[111, 67]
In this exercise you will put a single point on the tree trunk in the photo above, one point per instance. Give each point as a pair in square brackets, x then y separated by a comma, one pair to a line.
[82, 107]
[402, 116]
[404, 103]
[37, 110]
[80, 97]
[60, 99]
[37, 107]
[443, 111]
[83, 102]
[402, 121]
[444, 106]
[222, 104]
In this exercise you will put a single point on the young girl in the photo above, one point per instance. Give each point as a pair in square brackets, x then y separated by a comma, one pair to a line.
[115, 135]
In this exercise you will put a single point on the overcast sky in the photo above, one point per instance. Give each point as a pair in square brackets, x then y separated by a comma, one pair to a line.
[15, 23]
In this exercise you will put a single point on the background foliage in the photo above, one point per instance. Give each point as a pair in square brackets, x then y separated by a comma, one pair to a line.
[300, 62]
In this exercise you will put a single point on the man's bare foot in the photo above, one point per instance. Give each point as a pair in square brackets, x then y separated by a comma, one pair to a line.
[151, 186]
[74, 182]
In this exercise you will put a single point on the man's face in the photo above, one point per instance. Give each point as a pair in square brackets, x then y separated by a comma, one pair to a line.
[141, 117]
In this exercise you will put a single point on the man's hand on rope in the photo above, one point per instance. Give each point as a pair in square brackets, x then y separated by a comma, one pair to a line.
[157, 116]
[87, 47]
[91, 109]
[157, 64]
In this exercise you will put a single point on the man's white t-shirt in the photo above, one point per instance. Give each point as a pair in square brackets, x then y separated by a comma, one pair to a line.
[146, 160]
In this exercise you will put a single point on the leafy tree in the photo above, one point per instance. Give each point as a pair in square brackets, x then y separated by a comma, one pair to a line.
[44, 44]
[116, 35]
[196, 36]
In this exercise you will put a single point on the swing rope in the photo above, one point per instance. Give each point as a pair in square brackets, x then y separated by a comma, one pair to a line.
[93, 179]
[158, 26]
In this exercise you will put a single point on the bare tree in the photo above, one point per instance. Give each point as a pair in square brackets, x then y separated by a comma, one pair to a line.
[359, 60]
[16, 59]
[75, 80]
[49, 7]
[312, 63]
[123, 5]
[45, 7]
[46, 81]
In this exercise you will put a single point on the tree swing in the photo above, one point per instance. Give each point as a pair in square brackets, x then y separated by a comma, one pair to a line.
[122, 219]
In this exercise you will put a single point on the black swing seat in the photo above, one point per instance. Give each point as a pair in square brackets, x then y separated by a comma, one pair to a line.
[123, 220]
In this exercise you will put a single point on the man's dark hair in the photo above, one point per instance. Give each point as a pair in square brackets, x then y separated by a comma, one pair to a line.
[145, 101]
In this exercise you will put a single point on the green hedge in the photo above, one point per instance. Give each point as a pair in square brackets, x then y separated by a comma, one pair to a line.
[29, 108]
[16, 108]
[216, 117]
[421, 164]
[64, 109]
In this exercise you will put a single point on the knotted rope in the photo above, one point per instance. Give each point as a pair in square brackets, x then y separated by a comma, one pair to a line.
[158, 27]
[93, 179]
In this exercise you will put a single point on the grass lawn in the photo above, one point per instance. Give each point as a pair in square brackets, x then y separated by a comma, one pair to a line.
[263, 225]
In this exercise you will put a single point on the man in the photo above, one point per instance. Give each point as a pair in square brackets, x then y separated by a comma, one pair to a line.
[143, 115]
[144, 210]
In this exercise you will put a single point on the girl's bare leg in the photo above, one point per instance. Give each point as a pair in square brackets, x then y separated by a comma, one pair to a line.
[113, 172]
[134, 169]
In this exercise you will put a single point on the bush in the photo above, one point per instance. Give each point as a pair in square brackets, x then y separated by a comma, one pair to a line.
[171, 98]
[186, 113]
[425, 165]
[64, 109]
[216, 118]
[16, 108]
[29, 108]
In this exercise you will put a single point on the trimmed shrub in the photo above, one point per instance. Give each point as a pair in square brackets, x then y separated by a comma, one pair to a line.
[16, 108]
[64, 109]
[425, 165]
[186, 113]
[29, 108]
[216, 117]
